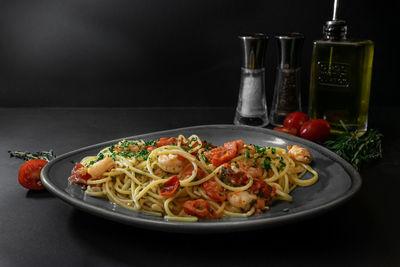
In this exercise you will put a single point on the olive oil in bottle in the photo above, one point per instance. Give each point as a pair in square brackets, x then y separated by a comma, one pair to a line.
[340, 82]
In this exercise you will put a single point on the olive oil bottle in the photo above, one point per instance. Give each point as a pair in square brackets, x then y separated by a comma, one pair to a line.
[340, 81]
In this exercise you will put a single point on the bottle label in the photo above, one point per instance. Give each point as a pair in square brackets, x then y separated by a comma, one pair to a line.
[333, 74]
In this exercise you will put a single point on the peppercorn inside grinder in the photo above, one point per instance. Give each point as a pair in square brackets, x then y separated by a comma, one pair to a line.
[252, 105]
[287, 93]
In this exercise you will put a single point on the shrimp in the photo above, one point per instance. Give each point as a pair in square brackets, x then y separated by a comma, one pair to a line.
[172, 163]
[96, 170]
[250, 167]
[242, 200]
[299, 154]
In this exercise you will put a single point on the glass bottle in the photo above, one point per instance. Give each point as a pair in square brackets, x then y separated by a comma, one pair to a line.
[340, 82]
[287, 94]
[252, 105]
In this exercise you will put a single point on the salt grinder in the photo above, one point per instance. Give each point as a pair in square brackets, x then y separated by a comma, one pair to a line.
[252, 105]
[287, 94]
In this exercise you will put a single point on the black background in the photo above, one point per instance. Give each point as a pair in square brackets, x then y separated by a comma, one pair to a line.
[167, 53]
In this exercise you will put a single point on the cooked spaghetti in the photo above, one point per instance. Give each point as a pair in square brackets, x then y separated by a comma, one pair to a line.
[190, 179]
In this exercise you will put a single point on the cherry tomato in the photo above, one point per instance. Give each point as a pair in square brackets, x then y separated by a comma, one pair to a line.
[231, 177]
[260, 188]
[79, 174]
[29, 174]
[214, 190]
[199, 208]
[170, 186]
[295, 120]
[292, 131]
[220, 155]
[166, 142]
[315, 130]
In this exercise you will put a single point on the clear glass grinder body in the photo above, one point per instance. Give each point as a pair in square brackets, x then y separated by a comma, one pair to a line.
[287, 90]
[252, 105]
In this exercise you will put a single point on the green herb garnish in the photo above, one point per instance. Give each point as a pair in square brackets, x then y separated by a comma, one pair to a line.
[246, 154]
[282, 166]
[267, 163]
[260, 149]
[357, 149]
[201, 156]
[150, 143]
[25, 155]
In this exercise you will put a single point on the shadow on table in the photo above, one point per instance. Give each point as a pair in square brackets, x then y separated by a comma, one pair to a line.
[38, 194]
[336, 237]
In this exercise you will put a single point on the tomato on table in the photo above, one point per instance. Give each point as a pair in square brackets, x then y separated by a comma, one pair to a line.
[295, 120]
[170, 186]
[29, 174]
[315, 130]
[291, 131]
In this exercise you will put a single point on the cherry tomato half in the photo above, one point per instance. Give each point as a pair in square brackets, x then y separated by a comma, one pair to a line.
[29, 174]
[295, 120]
[214, 190]
[166, 142]
[79, 174]
[170, 186]
[199, 208]
[220, 155]
[315, 130]
[292, 131]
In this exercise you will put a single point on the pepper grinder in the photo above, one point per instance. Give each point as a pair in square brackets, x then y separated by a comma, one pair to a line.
[287, 94]
[252, 105]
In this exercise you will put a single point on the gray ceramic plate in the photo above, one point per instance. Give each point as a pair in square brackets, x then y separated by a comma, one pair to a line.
[338, 182]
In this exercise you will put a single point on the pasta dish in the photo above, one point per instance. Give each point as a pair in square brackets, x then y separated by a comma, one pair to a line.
[190, 179]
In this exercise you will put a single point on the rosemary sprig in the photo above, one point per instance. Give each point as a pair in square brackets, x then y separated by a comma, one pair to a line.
[25, 155]
[357, 149]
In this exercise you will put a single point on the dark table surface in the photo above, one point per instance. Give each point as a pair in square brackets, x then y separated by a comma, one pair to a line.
[37, 229]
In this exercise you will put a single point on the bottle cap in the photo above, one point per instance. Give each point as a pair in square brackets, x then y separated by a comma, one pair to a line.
[335, 28]
[253, 52]
[289, 50]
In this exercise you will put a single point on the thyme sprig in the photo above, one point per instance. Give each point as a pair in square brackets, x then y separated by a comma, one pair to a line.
[357, 149]
[25, 155]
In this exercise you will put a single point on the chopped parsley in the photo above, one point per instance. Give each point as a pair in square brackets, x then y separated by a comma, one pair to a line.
[150, 143]
[267, 163]
[282, 166]
[247, 154]
[201, 156]
[99, 157]
[207, 145]
[125, 144]
[260, 149]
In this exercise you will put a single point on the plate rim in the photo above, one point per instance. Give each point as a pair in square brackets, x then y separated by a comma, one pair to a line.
[206, 226]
